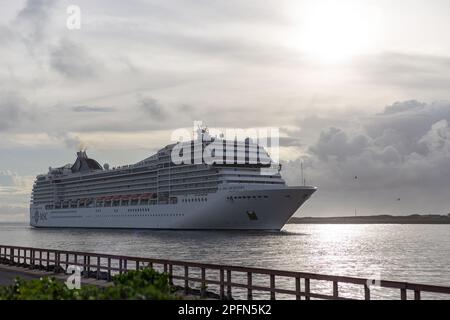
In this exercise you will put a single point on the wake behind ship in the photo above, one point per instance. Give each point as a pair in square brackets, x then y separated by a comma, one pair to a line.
[156, 193]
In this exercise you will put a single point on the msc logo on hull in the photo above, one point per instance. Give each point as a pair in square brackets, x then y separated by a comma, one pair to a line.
[39, 216]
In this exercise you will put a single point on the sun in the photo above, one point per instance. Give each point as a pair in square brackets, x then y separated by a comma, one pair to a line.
[333, 31]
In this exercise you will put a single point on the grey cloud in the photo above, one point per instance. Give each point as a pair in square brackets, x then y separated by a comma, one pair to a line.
[13, 214]
[403, 124]
[289, 142]
[402, 153]
[406, 70]
[92, 109]
[13, 110]
[187, 108]
[6, 34]
[335, 143]
[72, 61]
[404, 128]
[152, 108]
[33, 19]
[398, 107]
[438, 138]
[7, 178]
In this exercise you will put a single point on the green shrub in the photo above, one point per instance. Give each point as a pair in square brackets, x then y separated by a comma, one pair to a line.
[146, 284]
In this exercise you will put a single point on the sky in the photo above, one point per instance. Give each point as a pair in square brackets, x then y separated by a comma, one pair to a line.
[357, 88]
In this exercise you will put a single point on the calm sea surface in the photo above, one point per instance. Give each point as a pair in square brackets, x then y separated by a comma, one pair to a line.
[414, 253]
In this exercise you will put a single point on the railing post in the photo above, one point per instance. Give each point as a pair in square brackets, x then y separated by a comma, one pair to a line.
[203, 287]
[120, 266]
[417, 295]
[48, 260]
[98, 267]
[137, 265]
[249, 284]
[84, 265]
[58, 262]
[109, 268]
[403, 294]
[272, 287]
[33, 256]
[366, 292]
[125, 265]
[186, 280]
[165, 267]
[229, 291]
[40, 259]
[88, 266]
[222, 284]
[335, 289]
[67, 261]
[298, 288]
[307, 289]
[171, 274]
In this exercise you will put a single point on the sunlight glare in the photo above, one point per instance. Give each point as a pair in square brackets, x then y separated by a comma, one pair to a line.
[334, 31]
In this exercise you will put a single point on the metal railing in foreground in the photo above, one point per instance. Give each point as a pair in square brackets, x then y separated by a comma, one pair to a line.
[104, 266]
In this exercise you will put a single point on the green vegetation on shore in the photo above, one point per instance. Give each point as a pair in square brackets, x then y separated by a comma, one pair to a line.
[146, 284]
[380, 219]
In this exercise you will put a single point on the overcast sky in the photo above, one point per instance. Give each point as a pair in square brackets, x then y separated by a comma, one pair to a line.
[358, 88]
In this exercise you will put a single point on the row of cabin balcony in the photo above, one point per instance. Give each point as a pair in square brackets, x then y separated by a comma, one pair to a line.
[137, 190]
[121, 190]
[117, 184]
[225, 175]
[132, 179]
[76, 180]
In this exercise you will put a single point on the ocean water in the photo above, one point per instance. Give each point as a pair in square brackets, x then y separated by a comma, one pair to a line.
[413, 253]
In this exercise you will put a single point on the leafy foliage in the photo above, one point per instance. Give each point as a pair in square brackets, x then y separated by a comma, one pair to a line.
[146, 284]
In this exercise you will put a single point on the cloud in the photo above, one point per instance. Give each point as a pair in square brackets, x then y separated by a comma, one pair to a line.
[14, 195]
[335, 143]
[14, 110]
[417, 71]
[92, 109]
[438, 138]
[399, 107]
[152, 108]
[33, 19]
[13, 184]
[13, 213]
[72, 61]
[402, 152]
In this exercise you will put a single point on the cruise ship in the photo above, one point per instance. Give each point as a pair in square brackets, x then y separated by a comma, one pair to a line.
[157, 193]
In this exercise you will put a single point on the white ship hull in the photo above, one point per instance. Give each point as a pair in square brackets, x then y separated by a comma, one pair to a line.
[260, 209]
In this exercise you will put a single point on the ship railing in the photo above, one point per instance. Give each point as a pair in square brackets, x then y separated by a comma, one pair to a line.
[226, 279]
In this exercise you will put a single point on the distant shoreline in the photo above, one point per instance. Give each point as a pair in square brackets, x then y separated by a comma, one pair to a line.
[380, 219]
